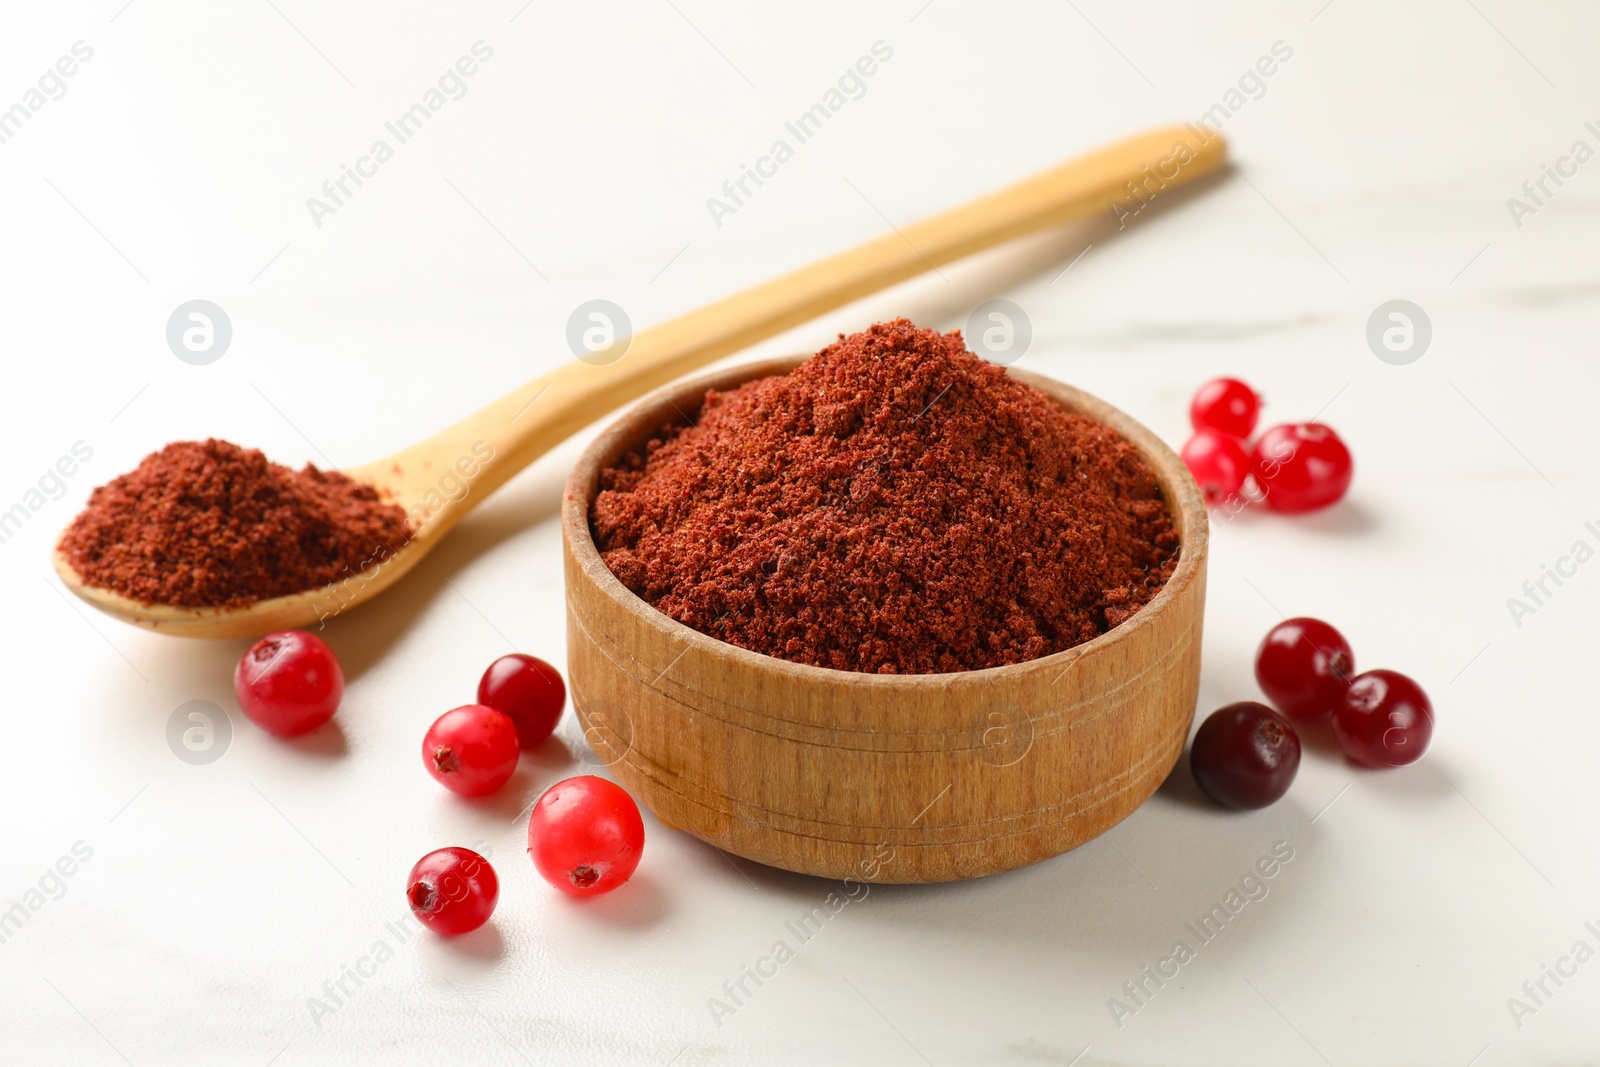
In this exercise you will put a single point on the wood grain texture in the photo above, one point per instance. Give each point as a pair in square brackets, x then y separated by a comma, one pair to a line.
[880, 778]
[526, 423]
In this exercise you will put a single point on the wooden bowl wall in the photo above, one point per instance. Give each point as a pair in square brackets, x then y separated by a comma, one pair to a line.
[880, 778]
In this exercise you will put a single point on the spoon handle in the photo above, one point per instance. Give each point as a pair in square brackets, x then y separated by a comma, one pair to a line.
[529, 421]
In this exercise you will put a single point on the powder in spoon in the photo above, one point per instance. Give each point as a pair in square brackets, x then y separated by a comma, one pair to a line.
[203, 523]
[893, 505]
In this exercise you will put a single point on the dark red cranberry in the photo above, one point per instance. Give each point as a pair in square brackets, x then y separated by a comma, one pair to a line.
[1304, 666]
[1385, 720]
[1245, 755]
[529, 690]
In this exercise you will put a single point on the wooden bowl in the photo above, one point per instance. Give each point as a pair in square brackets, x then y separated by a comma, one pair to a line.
[880, 778]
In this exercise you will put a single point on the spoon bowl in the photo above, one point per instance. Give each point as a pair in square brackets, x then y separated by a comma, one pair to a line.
[394, 482]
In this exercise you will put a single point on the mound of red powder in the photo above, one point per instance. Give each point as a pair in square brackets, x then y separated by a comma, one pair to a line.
[893, 505]
[209, 523]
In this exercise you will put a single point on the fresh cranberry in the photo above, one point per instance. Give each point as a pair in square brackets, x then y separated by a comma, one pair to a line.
[452, 891]
[1226, 405]
[585, 835]
[471, 750]
[1385, 720]
[1301, 467]
[289, 682]
[529, 690]
[1245, 755]
[1219, 464]
[1304, 667]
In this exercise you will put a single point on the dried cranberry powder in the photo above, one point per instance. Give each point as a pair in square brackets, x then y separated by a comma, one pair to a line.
[209, 523]
[893, 505]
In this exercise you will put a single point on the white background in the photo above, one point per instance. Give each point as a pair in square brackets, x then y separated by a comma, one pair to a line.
[1376, 165]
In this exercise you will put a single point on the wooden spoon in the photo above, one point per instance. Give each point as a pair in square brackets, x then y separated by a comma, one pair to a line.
[447, 475]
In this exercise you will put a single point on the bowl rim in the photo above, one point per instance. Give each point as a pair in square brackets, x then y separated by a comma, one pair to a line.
[1172, 477]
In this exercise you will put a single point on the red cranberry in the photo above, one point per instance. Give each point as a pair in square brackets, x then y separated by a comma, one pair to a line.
[1301, 467]
[1385, 720]
[471, 750]
[289, 682]
[1304, 666]
[1219, 464]
[1245, 755]
[452, 891]
[585, 835]
[529, 690]
[1226, 405]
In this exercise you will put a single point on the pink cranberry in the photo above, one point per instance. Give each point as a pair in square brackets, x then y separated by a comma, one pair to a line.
[1225, 405]
[1301, 467]
[471, 750]
[289, 683]
[1219, 464]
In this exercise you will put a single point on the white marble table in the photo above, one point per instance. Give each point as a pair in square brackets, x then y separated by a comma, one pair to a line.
[216, 913]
